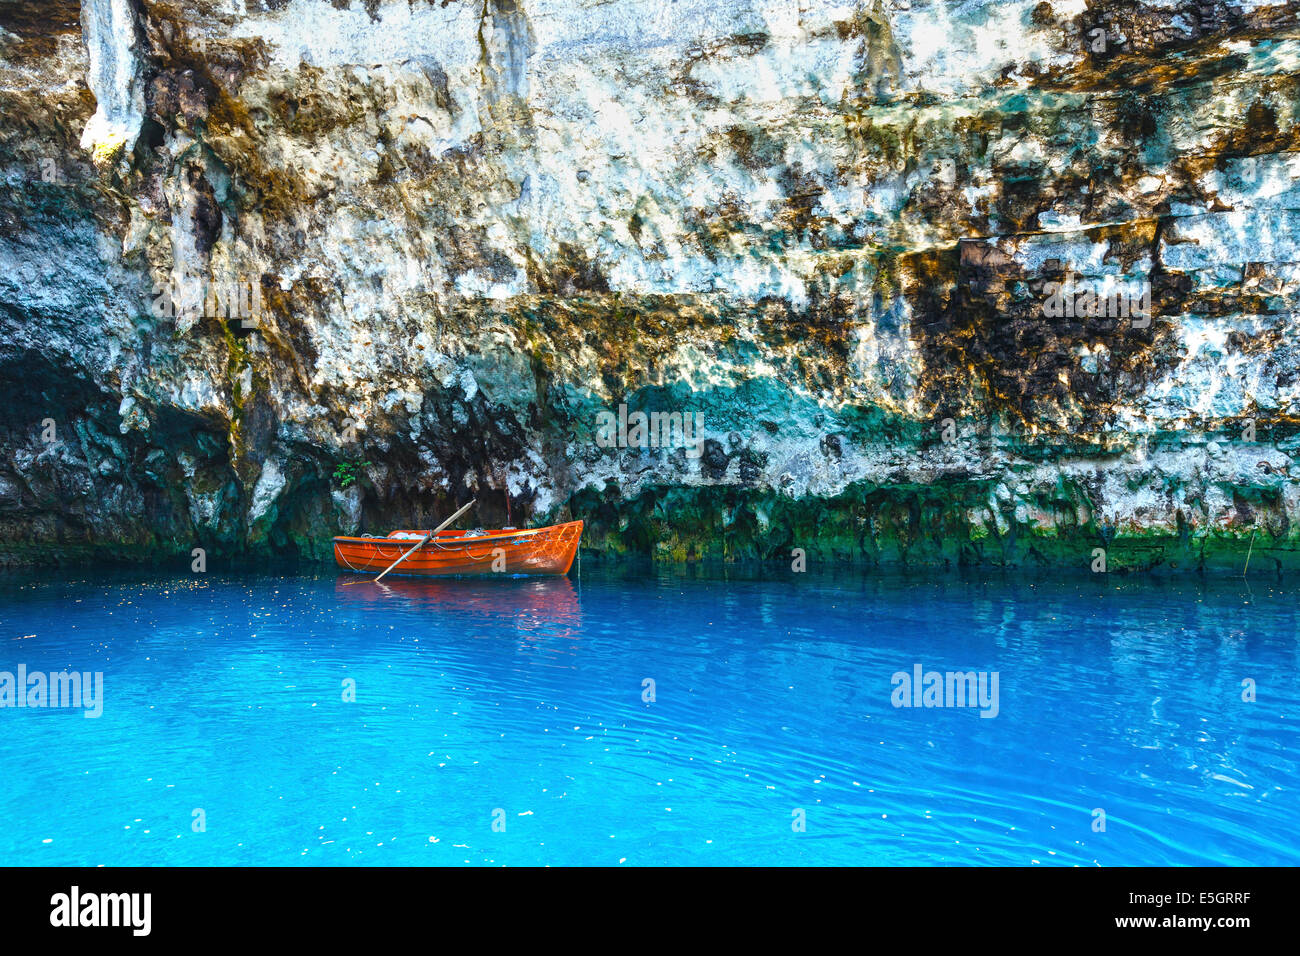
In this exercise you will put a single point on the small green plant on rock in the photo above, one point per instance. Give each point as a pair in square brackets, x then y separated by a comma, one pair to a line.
[348, 472]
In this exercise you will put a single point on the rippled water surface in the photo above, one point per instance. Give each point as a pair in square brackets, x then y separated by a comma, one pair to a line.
[521, 701]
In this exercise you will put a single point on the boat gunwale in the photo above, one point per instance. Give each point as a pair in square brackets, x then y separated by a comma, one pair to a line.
[453, 539]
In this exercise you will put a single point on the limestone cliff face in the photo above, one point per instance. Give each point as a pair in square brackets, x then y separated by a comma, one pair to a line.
[244, 242]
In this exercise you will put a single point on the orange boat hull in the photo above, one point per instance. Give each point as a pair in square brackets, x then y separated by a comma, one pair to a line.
[548, 550]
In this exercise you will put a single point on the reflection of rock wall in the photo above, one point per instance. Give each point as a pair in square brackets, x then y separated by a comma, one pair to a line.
[829, 227]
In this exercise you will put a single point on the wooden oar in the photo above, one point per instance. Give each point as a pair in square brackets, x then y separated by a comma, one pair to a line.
[452, 518]
[419, 544]
[423, 540]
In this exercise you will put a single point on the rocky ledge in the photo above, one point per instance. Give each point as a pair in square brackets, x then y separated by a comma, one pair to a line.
[923, 281]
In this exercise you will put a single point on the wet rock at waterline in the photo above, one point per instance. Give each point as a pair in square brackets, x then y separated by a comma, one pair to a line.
[996, 282]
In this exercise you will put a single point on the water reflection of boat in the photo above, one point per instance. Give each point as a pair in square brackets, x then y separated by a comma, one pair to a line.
[541, 599]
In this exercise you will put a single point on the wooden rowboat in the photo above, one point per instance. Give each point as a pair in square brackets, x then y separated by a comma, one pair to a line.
[548, 550]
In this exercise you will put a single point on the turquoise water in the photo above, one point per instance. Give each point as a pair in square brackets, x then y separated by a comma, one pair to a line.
[520, 702]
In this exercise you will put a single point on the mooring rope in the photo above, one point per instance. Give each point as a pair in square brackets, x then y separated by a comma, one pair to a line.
[378, 551]
[338, 553]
